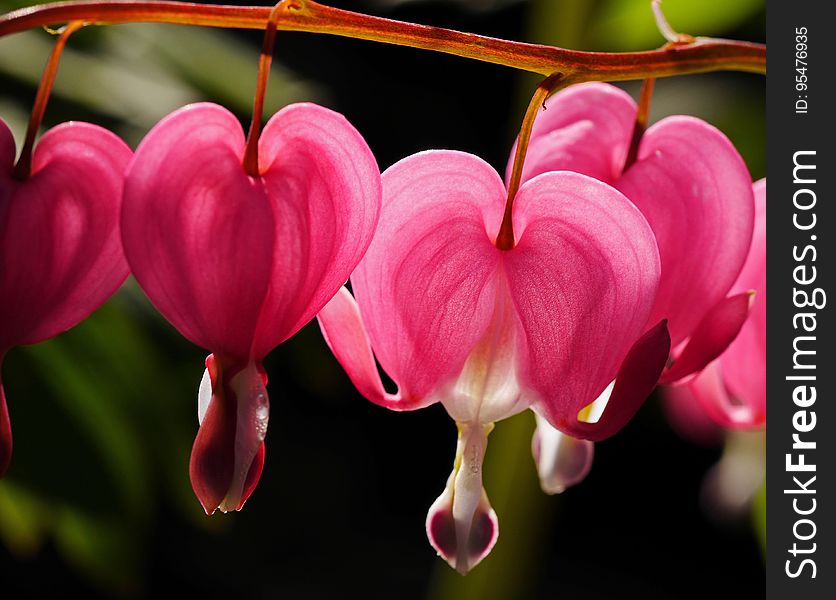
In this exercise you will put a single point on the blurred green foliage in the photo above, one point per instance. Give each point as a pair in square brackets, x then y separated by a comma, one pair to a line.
[622, 25]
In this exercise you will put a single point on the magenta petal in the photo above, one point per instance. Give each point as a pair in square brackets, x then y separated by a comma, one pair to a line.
[586, 128]
[695, 191]
[59, 231]
[427, 286]
[731, 391]
[711, 337]
[744, 363]
[325, 186]
[582, 277]
[253, 476]
[7, 147]
[199, 233]
[228, 453]
[344, 332]
[239, 263]
[5, 432]
[636, 379]
[725, 409]
[212, 458]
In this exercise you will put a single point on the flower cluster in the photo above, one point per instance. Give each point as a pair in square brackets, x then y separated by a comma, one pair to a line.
[621, 273]
[573, 321]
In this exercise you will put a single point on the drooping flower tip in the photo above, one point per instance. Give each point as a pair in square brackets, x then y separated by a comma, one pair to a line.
[562, 461]
[228, 454]
[461, 552]
[239, 263]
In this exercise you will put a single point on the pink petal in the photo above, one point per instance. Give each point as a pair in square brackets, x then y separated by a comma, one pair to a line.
[744, 363]
[253, 476]
[711, 336]
[586, 128]
[325, 186]
[228, 453]
[5, 431]
[583, 277]
[59, 231]
[199, 233]
[693, 188]
[634, 382]
[344, 332]
[732, 390]
[7, 147]
[236, 263]
[427, 286]
[723, 408]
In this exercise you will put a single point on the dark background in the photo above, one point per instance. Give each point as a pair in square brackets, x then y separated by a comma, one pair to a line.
[97, 500]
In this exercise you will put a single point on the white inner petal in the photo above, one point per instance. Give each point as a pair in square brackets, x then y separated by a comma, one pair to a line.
[592, 412]
[562, 460]
[488, 388]
[204, 396]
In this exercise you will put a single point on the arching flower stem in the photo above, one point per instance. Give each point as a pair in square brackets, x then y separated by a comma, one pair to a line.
[642, 117]
[24, 163]
[264, 62]
[552, 83]
[698, 56]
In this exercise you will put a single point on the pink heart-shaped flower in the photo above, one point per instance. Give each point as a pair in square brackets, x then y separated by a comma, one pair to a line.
[60, 249]
[488, 332]
[238, 263]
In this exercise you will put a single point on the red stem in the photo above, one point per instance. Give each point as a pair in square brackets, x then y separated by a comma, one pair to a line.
[701, 55]
[642, 117]
[23, 168]
[505, 238]
[264, 61]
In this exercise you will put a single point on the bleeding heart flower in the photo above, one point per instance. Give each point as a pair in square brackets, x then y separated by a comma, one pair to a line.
[695, 192]
[60, 252]
[547, 324]
[238, 263]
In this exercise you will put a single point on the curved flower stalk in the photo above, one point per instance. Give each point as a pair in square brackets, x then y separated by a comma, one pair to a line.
[546, 324]
[60, 252]
[695, 191]
[239, 263]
